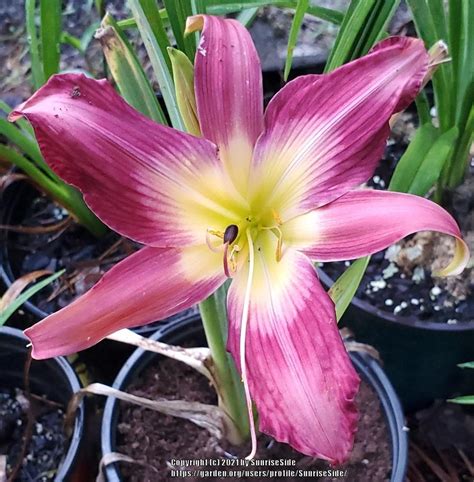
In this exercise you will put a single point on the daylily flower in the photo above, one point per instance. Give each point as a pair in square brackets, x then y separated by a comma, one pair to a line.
[258, 198]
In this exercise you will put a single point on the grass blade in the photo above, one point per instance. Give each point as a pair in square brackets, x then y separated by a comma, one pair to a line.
[37, 73]
[127, 71]
[50, 31]
[467, 365]
[412, 158]
[183, 73]
[350, 31]
[23, 124]
[432, 165]
[63, 193]
[231, 6]
[466, 400]
[149, 23]
[247, 16]
[300, 10]
[178, 12]
[345, 287]
[26, 295]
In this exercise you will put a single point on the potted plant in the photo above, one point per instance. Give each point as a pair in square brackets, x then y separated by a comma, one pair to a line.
[381, 450]
[207, 209]
[32, 413]
[423, 326]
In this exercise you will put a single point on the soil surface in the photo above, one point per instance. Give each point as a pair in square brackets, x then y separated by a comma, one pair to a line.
[398, 280]
[154, 439]
[47, 443]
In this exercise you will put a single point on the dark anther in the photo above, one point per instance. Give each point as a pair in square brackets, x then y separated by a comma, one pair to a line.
[230, 234]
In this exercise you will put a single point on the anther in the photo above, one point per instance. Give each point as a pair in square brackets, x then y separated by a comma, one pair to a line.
[230, 234]
[276, 217]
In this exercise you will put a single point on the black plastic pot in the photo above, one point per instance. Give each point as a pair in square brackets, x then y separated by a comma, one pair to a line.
[54, 378]
[419, 357]
[190, 328]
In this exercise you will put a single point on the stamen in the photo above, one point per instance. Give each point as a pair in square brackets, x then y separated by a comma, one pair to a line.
[230, 259]
[243, 332]
[230, 234]
[233, 253]
[209, 233]
[226, 260]
[277, 217]
[214, 232]
[278, 253]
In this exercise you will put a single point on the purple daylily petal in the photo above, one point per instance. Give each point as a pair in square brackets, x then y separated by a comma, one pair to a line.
[149, 182]
[365, 221]
[229, 94]
[301, 379]
[150, 285]
[324, 134]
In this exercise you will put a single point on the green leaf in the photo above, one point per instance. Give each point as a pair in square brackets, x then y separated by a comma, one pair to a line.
[88, 35]
[50, 31]
[345, 287]
[183, 73]
[127, 71]
[23, 141]
[247, 16]
[351, 29]
[411, 160]
[363, 25]
[37, 73]
[433, 163]
[178, 12]
[25, 296]
[375, 27]
[66, 195]
[466, 400]
[67, 38]
[301, 8]
[423, 108]
[151, 30]
[23, 124]
[466, 365]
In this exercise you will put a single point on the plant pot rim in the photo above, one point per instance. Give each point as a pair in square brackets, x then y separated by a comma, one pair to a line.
[410, 321]
[369, 369]
[77, 436]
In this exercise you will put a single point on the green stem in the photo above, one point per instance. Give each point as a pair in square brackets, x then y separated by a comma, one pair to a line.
[230, 387]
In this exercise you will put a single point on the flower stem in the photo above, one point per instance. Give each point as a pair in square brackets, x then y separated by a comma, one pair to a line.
[230, 388]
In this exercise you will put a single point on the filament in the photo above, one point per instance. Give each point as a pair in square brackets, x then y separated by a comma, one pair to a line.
[212, 232]
[243, 332]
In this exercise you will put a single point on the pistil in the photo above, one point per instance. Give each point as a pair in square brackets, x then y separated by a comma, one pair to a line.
[243, 332]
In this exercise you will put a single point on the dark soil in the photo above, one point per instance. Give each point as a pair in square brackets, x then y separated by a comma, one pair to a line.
[398, 280]
[155, 439]
[441, 443]
[47, 444]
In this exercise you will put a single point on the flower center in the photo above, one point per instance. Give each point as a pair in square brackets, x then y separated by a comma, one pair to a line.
[233, 241]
